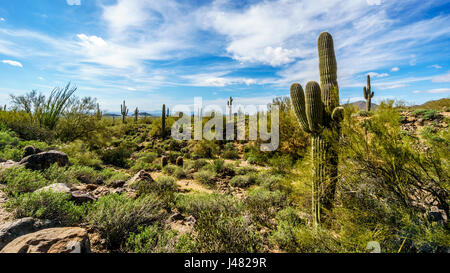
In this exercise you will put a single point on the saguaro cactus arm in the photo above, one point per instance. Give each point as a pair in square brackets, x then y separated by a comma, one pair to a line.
[314, 107]
[298, 101]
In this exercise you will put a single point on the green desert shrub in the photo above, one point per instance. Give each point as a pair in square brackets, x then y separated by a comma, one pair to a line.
[230, 151]
[119, 156]
[20, 180]
[287, 221]
[80, 154]
[263, 204]
[244, 181]
[221, 233]
[245, 170]
[205, 149]
[281, 164]
[115, 216]
[194, 204]
[163, 186]
[428, 114]
[156, 239]
[206, 177]
[47, 205]
[24, 126]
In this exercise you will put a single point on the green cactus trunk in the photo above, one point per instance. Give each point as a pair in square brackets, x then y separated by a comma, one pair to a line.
[163, 121]
[319, 114]
[368, 94]
[124, 111]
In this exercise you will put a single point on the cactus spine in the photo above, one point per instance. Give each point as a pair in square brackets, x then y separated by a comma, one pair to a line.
[368, 94]
[124, 111]
[319, 114]
[136, 115]
[163, 121]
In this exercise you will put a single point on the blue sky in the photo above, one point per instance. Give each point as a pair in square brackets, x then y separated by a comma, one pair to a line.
[152, 52]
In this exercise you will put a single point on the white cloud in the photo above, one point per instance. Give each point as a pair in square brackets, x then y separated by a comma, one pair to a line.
[73, 2]
[436, 66]
[394, 86]
[2, 19]
[442, 78]
[377, 75]
[374, 2]
[395, 69]
[13, 63]
[217, 79]
[439, 90]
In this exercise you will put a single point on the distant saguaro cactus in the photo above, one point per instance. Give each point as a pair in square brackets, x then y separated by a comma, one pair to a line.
[98, 113]
[319, 114]
[124, 111]
[230, 107]
[163, 121]
[368, 94]
[136, 114]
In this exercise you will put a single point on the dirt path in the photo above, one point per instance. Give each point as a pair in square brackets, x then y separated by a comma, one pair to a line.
[192, 186]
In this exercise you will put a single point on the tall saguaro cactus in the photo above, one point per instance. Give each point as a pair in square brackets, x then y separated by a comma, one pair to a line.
[319, 114]
[368, 94]
[124, 111]
[136, 114]
[163, 121]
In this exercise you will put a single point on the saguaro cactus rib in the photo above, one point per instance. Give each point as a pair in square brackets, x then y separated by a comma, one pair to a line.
[319, 114]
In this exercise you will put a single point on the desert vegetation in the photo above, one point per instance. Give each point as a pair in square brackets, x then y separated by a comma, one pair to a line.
[341, 177]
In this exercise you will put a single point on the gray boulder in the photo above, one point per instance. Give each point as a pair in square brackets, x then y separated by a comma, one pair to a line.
[14, 229]
[44, 160]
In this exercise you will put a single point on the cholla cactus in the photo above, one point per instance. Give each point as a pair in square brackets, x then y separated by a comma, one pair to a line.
[368, 94]
[319, 114]
[124, 112]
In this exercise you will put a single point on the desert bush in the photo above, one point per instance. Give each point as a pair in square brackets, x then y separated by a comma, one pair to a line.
[255, 156]
[47, 205]
[219, 233]
[163, 186]
[156, 239]
[245, 170]
[205, 149]
[281, 163]
[194, 165]
[115, 216]
[19, 180]
[24, 126]
[263, 205]
[244, 181]
[284, 236]
[230, 151]
[428, 114]
[194, 204]
[80, 154]
[206, 177]
[119, 156]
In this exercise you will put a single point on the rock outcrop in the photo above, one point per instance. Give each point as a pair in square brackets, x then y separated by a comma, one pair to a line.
[14, 229]
[52, 240]
[44, 160]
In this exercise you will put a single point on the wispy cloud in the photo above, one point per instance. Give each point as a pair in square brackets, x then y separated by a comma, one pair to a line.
[442, 78]
[12, 63]
[73, 2]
